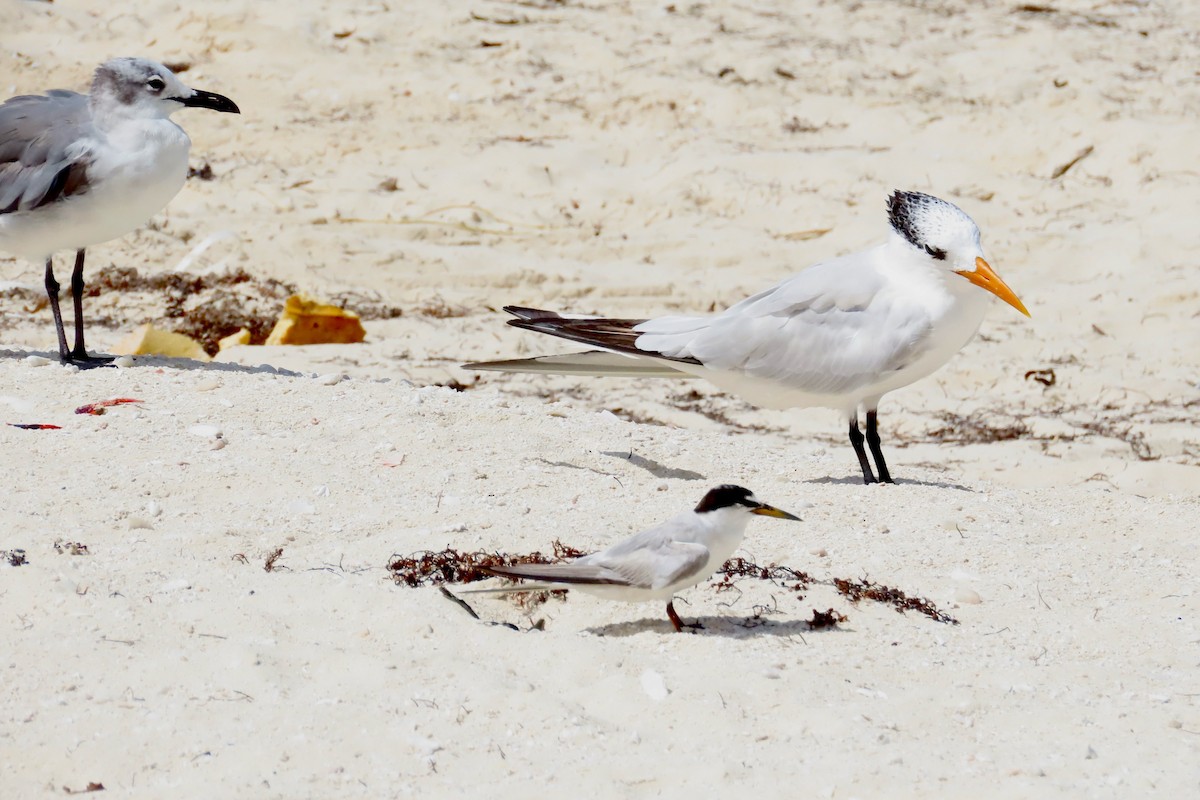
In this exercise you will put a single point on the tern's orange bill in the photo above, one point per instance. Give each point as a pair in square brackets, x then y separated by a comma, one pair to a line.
[771, 511]
[985, 277]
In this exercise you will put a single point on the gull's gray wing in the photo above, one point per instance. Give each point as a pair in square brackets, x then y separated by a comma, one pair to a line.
[44, 154]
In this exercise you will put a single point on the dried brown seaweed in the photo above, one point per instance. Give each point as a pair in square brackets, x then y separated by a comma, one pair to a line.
[869, 590]
[436, 568]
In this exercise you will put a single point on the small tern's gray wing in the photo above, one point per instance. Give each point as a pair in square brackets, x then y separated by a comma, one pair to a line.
[43, 149]
[649, 560]
[574, 572]
[657, 566]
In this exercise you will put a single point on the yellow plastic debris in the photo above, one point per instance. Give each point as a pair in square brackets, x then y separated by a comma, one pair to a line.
[305, 321]
[233, 339]
[147, 340]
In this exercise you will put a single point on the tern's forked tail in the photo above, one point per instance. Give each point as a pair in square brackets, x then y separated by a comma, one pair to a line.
[594, 363]
[620, 355]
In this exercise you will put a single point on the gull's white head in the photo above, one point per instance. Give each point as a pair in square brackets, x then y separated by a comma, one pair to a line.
[949, 239]
[139, 87]
[734, 505]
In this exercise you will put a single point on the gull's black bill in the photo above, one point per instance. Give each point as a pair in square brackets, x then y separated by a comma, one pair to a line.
[211, 100]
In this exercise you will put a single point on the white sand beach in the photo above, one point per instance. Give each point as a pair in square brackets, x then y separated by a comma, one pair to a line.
[629, 159]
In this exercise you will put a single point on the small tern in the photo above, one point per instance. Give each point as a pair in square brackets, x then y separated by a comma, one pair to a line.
[659, 561]
[81, 169]
[837, 335]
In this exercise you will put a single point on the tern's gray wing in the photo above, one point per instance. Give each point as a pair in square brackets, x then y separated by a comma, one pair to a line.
[657, 565]
[832, 328]
[43, 149]
[648, 560]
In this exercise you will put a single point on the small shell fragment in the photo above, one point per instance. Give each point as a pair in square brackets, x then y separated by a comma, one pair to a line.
[654, 685]
[968, 596]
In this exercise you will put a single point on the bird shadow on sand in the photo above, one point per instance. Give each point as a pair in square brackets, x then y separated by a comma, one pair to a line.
[726, 627]
[162, 362]
[855, 480]
[655, 468]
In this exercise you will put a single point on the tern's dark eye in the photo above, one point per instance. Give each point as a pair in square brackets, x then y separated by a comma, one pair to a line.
[156, 84]
[936, 252]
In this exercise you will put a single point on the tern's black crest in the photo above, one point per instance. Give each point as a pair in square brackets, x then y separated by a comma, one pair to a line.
[911, 215]
[724, 497]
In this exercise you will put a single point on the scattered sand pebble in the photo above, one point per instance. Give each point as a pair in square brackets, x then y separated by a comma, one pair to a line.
[820, 552]
[153, 509]
[654, 685]
[205, 430]
[208, 384]
[136, 522]
[18, 404]
[217, 444]
[968, 596]
[36, 361]
[123, 362]
[330, 379]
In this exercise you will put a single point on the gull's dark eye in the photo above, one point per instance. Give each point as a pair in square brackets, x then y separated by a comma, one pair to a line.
[936, 252]
[156, 84]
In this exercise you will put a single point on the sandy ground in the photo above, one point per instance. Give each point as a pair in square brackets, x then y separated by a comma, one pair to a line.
[625, 158]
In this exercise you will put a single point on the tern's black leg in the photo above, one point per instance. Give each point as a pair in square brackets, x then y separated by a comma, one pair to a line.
[79, 355]
[876, 451]
[856, 439]
[677, 622]
[52, 288]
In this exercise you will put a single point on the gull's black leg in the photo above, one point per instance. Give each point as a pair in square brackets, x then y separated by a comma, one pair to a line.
[677, 622]
[876, 451]
[856, 439]
[79, 354]
[52, 288]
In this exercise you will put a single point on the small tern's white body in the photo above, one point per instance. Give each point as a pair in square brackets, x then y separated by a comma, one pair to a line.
[658, 562]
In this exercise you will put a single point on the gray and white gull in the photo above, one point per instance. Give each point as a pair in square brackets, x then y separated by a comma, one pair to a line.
[81, 169]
